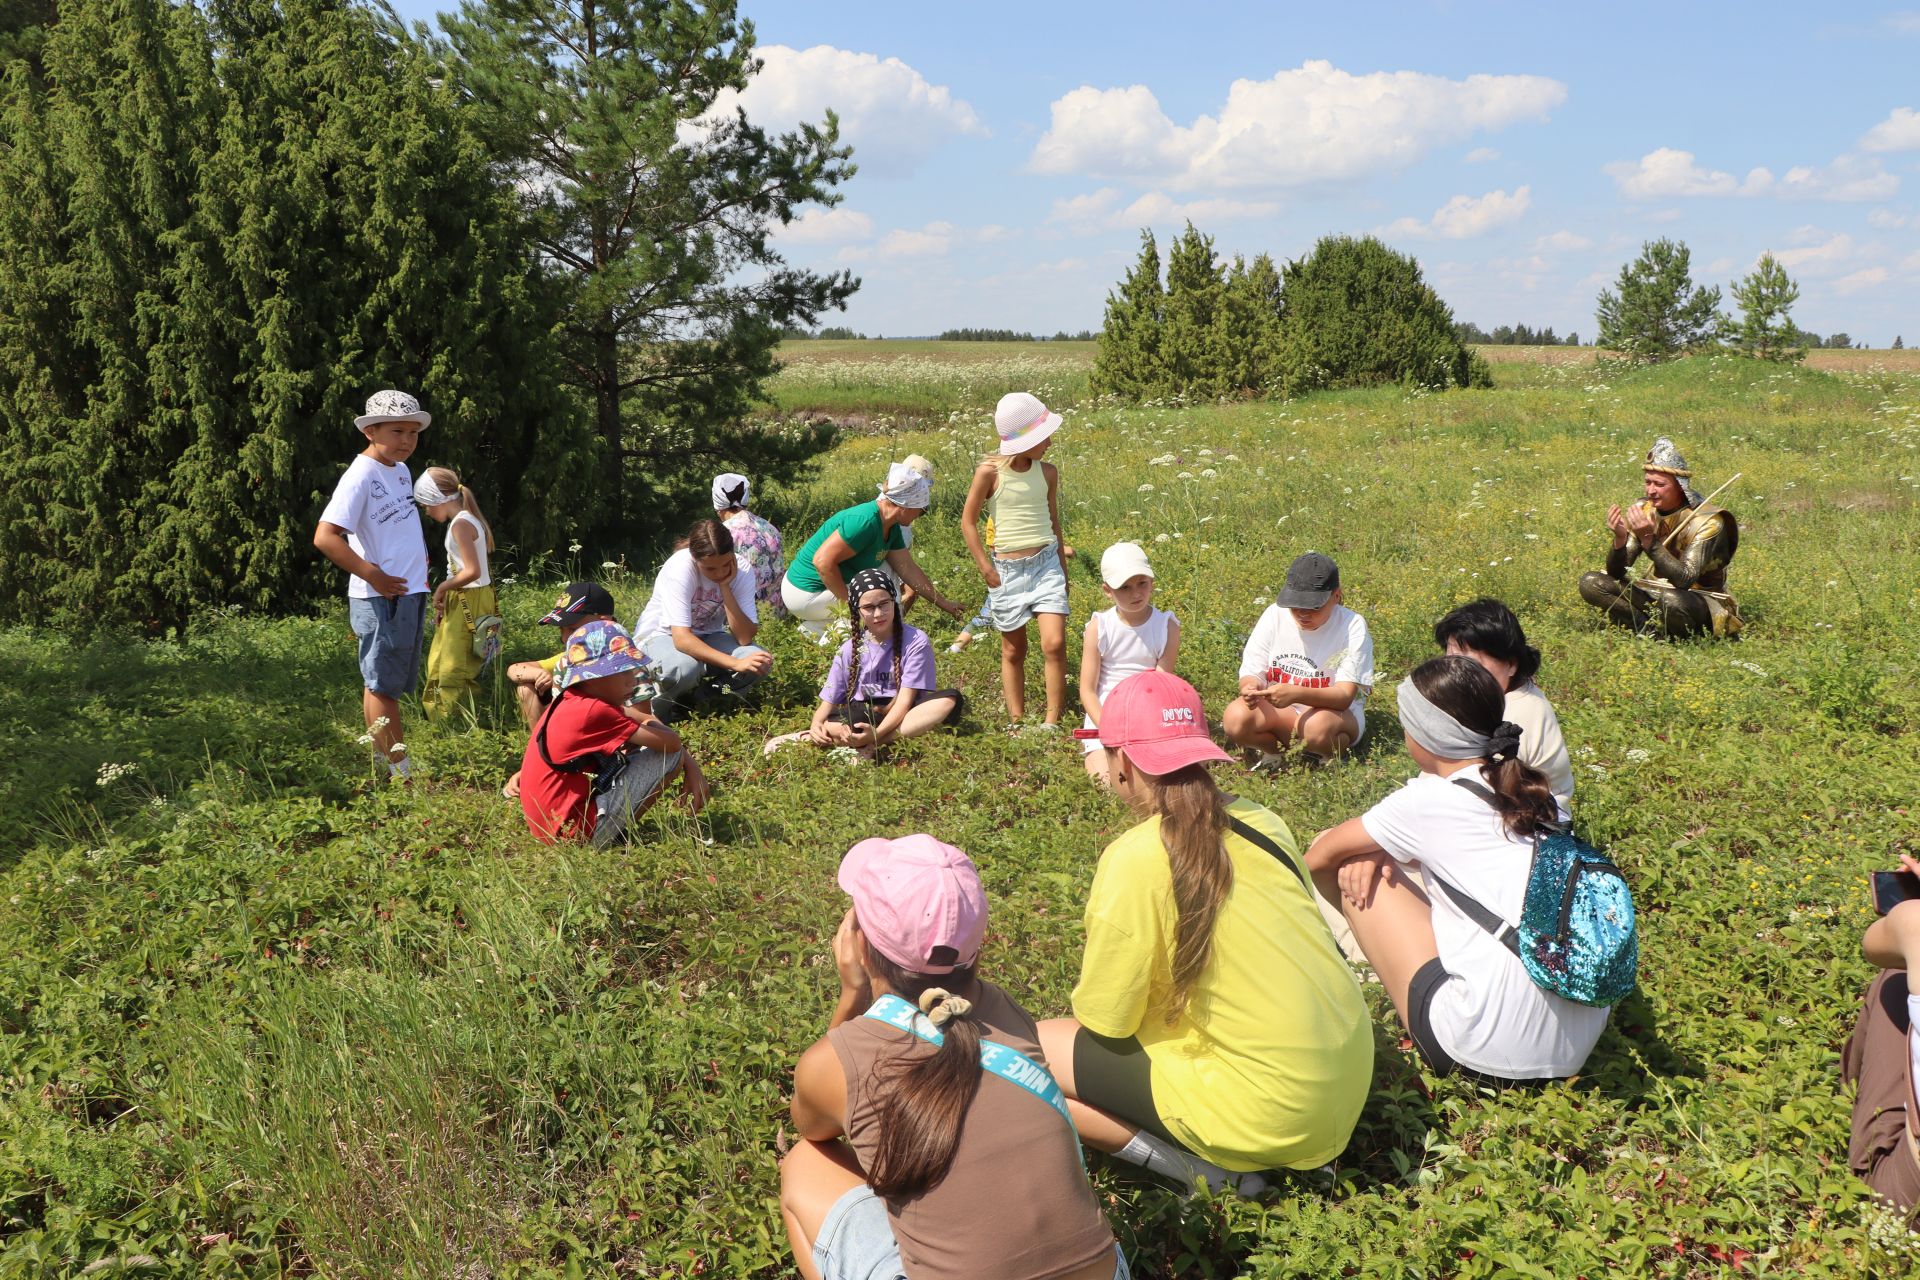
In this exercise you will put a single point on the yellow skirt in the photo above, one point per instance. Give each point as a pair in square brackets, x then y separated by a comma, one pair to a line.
[455, 662]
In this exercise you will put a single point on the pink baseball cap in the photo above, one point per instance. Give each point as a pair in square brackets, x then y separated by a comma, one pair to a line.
[1157, 720]
[919, 901]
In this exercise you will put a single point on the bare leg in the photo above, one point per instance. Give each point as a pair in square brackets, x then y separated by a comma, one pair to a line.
[1394, 930]
[1259, 724]
[1326, 733]
[383, 720]
[1098, 769]
[812, 1177]
[1053, 652]
[925, 714]
[1013, 672]
[1098, 1129]
[531, 703]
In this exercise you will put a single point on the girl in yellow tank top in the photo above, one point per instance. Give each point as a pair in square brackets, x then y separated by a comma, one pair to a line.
[1025, 576]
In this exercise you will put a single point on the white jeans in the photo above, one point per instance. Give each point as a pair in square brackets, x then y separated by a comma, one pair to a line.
[813, 610]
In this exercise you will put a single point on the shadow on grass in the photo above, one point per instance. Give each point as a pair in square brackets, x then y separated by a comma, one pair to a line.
[1633, 1056]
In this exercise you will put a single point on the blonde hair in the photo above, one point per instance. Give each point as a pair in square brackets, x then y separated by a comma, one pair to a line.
[445, 479]
[920, 463]
[1193, 830]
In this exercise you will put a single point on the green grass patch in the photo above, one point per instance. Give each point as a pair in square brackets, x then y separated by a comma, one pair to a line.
[259, 1017]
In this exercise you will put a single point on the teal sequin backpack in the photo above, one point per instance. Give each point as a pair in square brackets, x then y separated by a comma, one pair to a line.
[1576, 934]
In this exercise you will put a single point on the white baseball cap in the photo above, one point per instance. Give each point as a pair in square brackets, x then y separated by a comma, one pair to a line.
[1121, 561]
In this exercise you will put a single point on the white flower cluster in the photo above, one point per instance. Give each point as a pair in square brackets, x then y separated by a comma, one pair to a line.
[111, 773]
[1753, 667]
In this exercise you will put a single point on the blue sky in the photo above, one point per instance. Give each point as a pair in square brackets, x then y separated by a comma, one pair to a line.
[1010, 153]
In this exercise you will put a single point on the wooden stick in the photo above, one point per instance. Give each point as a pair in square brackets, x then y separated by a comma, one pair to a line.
[1703, 502]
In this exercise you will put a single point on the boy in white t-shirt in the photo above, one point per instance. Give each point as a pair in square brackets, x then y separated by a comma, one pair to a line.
[1306, 670]
[1125, 640]
[371, 529]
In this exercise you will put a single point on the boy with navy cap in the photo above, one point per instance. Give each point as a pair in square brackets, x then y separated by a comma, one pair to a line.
[1305, 672]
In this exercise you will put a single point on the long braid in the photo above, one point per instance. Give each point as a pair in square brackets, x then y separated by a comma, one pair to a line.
[853, 666]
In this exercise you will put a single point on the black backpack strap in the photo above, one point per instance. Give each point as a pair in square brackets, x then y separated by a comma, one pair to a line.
[1503, 933]
[1260, 840]
[1477, 788]
[586, 762]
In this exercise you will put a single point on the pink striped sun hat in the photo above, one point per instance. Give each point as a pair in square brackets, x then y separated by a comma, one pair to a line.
[1022, 421]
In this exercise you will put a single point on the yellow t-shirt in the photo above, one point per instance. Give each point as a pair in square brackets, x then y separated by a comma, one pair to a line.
[1271, 1062]
[550, 665]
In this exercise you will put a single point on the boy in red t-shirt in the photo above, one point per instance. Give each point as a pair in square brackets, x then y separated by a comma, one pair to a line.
[591, 718]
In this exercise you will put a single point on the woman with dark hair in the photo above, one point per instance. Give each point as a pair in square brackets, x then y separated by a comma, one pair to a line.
[1467, 822]
[934, 1142]
[1216, 1031]
[1487, 632]
[700, 622]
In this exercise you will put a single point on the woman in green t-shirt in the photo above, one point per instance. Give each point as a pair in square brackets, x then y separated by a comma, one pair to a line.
[856, 538]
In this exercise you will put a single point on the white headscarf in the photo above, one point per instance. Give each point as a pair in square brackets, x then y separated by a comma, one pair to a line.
[729, 491]
[428, 494]
[906, 487]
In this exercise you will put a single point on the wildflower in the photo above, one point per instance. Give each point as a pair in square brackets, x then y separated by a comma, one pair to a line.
[574, 548]
[1184, 475]
[1208, 474]
[1260, 600]
[1145, 488]
[610, 564]
[112, 773]
[1160, 537]
[1638, 755]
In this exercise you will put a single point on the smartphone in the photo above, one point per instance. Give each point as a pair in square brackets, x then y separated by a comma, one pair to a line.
[1891, 888]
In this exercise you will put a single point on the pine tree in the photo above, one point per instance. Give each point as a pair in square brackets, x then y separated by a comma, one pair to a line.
[1658, 312]
[1356, 313]
[653, 220]
[1126, 361]
[1247, 327]
[1898, 345]
[1765, 297]
[1190, 350]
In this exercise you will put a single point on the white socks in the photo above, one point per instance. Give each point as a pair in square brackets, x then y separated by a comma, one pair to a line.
[1185, 1168]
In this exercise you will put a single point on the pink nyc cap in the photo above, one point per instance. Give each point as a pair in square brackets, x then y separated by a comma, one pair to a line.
[918, 901]
[1157, 720]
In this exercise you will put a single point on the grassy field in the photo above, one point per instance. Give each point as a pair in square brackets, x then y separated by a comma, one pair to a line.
[259, 1017]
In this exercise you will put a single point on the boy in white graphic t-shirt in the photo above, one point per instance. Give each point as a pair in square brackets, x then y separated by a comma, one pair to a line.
[1306, 670]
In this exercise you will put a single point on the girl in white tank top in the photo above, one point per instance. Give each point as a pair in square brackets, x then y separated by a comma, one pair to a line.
[1122, 641]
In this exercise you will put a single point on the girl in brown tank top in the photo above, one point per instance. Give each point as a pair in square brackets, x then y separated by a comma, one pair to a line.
[921, 1156]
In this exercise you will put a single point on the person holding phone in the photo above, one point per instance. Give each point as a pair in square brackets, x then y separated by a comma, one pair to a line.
[1883, 1055]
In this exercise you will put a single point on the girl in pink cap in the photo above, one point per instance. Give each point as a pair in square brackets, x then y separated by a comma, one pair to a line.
[1216, 1031]
[927, 1110]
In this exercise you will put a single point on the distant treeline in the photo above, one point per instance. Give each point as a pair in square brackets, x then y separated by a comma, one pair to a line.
[1513, 335]
[1009, 335]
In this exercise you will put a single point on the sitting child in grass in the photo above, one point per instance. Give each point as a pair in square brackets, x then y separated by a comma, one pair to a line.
[1125, 640]
[1486, 631]
[933, 1141]
[532, 682]
[1305, 672]
[596, 759]
[1467, 823]
[881, 686]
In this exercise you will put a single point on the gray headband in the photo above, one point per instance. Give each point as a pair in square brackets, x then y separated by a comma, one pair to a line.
[1446, 737]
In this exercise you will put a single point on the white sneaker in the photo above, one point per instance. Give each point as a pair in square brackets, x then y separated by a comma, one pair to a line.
[1269, 762]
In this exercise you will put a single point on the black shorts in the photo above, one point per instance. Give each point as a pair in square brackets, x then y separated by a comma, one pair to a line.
[1420, 992]
[1117, 1077]
[863, 711]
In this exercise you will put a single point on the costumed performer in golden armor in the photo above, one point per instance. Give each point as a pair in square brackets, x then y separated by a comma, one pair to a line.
[1689, 544]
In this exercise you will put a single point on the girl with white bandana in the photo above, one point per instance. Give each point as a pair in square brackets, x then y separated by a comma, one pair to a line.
[466, 610]
[1469, 819]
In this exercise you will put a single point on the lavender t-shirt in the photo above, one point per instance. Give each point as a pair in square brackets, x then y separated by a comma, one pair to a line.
[876, 668]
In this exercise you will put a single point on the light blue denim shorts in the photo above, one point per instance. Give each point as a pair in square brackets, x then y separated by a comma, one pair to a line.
[1034, 584]
[390, 630]
[856, 1242]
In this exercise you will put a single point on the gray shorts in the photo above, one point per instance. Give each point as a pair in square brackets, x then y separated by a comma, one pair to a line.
[390, 632]
[856, 1241]
[639, 782]
[1030, 585]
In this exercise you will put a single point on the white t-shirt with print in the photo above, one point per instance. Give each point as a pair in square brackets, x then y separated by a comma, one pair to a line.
[374, 504]
[683, 597]
[1491, 1017]
[1339, 648]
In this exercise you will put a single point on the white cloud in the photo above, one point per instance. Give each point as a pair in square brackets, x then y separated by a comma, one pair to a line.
[1465, 216]
[1818, 259]
[1911, 262]
[1887, 219]
[1561, 242]
[1095, 206]
[1311, 124]
[1898, 132]
[1481, 155]
[1102, 208]
[1720, 266]
[888, 111]
[934, 240]
[1858, 280]
[826, 226]
[1667, 172]
[1907, 23]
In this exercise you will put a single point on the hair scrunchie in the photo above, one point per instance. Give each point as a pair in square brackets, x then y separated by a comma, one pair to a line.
[1504, 742]
[942, 1006]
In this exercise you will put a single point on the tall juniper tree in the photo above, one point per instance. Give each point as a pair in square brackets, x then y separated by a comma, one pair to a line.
[652, 213]
[1126, 361]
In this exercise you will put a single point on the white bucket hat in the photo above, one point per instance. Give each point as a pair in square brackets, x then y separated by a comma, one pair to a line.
[392, 406]
[1023, 422]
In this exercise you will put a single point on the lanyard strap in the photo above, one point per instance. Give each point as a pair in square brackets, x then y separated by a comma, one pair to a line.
[1004, 1061]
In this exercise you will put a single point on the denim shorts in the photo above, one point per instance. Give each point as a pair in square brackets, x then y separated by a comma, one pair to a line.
[390, 632]
[856, 1242]
[1031, 585]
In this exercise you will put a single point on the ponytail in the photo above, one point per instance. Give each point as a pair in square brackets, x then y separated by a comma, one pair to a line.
[921, 1099]
[1193, 828]
[472, 508]
[1464, 690]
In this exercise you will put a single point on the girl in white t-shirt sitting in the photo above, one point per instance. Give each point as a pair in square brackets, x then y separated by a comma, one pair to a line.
[1125, 640]
[1486, 631]
[1305, 672]
[466, 610]
[1469, 819]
